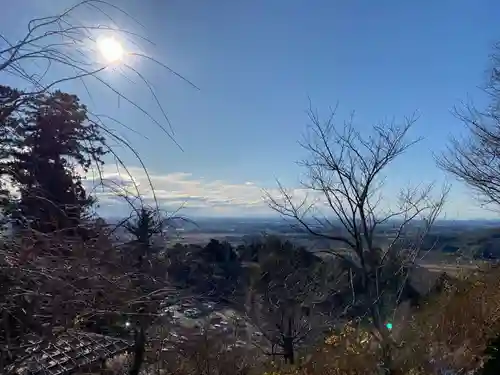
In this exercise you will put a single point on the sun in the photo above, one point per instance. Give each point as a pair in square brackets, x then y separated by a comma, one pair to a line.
[110, 49]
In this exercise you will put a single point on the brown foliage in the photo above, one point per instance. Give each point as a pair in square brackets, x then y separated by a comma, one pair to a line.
[52, 283]
[203, 353]
[454, 329]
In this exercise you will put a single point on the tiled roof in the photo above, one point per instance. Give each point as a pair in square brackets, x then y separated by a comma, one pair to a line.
[67, 353]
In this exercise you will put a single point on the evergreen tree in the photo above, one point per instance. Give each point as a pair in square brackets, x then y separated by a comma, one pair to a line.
[143, 225]
[47, 142]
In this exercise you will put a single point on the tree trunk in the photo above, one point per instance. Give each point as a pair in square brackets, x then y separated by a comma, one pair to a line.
[288, 349]
[139, 350]
[387, 364]
[288, 352]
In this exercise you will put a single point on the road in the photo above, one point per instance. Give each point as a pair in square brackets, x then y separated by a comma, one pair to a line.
[451, 268]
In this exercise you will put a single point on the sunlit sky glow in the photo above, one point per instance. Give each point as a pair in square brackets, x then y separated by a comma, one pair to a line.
[256, 64]
[111, 49]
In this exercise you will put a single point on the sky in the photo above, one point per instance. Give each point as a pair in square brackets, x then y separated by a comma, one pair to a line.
[256, 64]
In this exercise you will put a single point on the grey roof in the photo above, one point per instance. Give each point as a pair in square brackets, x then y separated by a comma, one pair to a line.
[67, 353]
[422, 279]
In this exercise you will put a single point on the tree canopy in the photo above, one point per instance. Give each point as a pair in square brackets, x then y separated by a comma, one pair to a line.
[48, 144]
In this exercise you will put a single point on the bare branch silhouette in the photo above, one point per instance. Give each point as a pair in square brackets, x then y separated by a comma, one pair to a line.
[344, 175]
[475, 159]
[59, 48]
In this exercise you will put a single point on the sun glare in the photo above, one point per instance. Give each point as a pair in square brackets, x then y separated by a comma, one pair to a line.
[110, 49]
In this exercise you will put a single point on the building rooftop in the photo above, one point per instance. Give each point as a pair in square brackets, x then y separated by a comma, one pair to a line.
[68, 353]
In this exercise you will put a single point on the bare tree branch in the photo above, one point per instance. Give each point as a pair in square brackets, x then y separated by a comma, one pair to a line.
[345, 173]
[475, 158]
[59, 48]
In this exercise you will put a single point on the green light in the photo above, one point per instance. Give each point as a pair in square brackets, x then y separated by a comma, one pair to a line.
[389, 326]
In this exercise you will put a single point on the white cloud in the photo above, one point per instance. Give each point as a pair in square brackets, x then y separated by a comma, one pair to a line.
[200, 196]
[196, 195]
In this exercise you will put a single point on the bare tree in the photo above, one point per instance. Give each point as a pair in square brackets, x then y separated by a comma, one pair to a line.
[289, 292]
[200, 353]
[285, 324]
[345, 175]
[475, 159]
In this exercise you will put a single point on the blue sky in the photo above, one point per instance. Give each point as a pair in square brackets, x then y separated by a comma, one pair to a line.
[257, 62]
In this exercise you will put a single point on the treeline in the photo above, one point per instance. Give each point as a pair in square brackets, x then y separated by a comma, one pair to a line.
[477, 243]
[228, 273]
